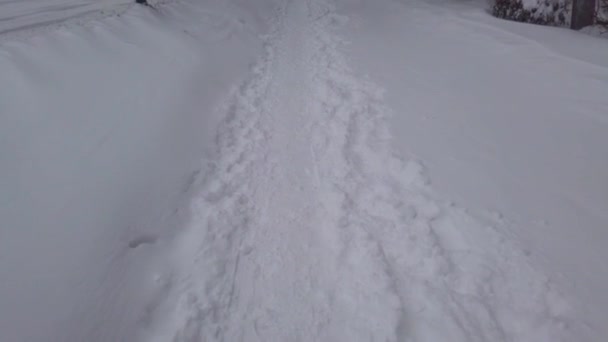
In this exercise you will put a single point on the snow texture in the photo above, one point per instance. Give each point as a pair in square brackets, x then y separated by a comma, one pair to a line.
[321, 124]
[309, 227]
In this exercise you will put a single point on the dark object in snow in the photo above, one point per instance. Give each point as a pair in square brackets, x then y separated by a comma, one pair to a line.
[145, 3]
[583, 13]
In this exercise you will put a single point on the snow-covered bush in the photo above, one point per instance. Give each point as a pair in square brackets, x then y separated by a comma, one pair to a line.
[545, 12]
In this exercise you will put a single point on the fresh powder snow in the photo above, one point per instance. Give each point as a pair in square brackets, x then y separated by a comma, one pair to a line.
[299, 170]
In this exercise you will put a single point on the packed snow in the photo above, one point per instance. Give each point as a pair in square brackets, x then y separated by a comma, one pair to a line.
[284, 170]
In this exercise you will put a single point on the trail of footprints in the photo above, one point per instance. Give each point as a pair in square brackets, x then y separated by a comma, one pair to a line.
[407, 266]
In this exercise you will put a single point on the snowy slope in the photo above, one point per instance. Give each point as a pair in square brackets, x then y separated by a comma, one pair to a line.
[371, 171]
[509, 118]
[102, 125]
[29, 16]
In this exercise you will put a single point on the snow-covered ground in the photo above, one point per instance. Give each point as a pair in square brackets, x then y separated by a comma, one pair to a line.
[102, 125]
[507, 117]
[28, 17]
[320, 170]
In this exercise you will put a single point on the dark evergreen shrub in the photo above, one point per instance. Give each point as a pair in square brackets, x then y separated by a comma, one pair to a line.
[543, 12]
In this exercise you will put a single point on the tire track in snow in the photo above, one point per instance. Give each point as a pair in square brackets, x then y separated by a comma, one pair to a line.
[309, 228]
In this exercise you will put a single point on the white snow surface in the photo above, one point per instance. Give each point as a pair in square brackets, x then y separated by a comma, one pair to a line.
[371, 171]
[28, 14]
[102, 126]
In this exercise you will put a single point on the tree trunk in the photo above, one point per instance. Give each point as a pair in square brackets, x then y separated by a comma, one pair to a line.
[582, 13]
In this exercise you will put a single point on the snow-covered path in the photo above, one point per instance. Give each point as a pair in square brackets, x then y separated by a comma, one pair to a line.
[310, 228]
[313, 217]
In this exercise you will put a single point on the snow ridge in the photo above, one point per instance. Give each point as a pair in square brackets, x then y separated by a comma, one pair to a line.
[20, 23]
[309, 228]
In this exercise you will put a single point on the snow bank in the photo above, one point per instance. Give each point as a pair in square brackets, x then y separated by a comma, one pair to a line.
[510, 119]
[26, 18]
[103, 121]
